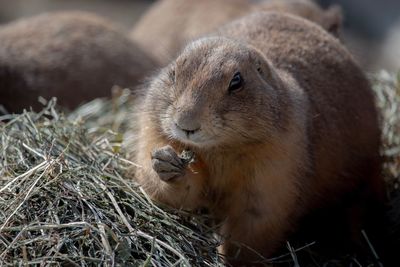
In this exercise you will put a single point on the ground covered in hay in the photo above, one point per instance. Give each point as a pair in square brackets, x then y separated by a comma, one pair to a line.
[387, 89]
[65, 199]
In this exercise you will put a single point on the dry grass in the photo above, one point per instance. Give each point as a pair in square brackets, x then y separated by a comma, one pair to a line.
[387, 89]
[64, 199]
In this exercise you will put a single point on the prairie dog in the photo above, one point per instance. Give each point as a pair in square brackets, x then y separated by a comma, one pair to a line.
[74, 56]
[281, 121]
[170, 24]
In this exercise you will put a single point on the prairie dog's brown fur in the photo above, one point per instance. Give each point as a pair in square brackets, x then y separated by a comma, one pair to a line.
[170, 24]
[75, 56]
[301, 133]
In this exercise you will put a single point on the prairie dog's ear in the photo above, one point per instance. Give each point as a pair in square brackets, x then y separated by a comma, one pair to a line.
[264, 67]
[334, 19]
[260, 63]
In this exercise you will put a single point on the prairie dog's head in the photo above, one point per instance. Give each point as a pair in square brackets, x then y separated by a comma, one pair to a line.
[218, 92]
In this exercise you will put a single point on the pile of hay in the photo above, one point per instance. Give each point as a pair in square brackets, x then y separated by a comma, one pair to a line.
[387, 89]
[65, 199]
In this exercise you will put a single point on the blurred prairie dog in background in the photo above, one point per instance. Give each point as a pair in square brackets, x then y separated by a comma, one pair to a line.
[169, 25]
[74, 56]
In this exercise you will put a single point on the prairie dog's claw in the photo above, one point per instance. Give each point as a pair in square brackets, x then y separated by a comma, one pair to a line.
[168, 165]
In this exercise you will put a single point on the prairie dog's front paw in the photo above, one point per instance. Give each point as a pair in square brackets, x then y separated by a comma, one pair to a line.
[167, 163]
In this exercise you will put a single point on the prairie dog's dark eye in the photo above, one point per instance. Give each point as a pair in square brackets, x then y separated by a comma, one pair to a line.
[236, 82]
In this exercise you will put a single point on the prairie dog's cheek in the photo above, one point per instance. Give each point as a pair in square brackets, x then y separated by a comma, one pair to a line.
[222, 109]
[166, 118]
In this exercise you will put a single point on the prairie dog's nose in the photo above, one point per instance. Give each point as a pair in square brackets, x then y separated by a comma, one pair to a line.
[187, 123]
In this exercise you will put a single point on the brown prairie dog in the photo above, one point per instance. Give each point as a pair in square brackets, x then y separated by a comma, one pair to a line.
[74, 56]
[280, 119]
[170, 24]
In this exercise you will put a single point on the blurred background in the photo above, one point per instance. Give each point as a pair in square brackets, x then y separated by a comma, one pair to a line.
[125, 12]
[372, 31]
[371, 28]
